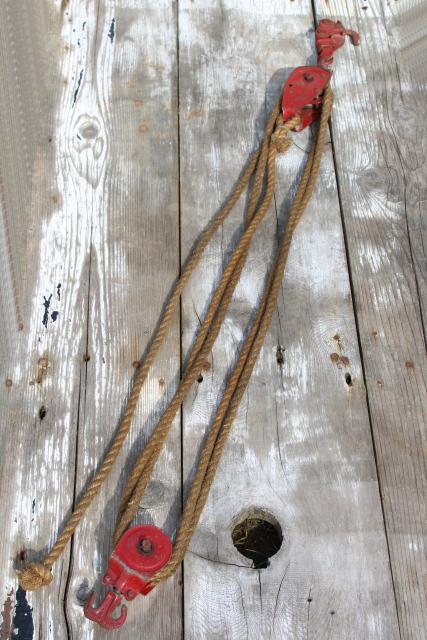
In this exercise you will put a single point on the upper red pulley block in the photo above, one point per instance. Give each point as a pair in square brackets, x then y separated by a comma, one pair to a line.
[302, 93]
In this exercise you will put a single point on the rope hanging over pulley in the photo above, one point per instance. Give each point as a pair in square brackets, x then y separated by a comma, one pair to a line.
[259, 178]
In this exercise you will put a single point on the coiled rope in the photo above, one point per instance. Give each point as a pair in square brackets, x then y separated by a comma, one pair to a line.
[262, 168]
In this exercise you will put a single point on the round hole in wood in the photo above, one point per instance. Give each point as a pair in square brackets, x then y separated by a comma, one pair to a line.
[257, 535]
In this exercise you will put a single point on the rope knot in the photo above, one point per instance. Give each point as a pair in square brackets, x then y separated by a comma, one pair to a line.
[34, 576]
[281, 140]
[280, 137]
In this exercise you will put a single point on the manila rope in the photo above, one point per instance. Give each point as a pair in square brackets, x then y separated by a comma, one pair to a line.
[262, 169]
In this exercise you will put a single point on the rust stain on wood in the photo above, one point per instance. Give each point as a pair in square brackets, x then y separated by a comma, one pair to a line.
[43, 365]
[337, 339]
[337, 359]
[6, 625]
[143, 127]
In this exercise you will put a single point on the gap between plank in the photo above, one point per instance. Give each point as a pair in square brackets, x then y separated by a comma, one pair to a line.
[181, 410]
[79, 411]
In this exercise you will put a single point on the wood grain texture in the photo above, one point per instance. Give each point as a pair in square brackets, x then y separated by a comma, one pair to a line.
[45, 243]
[96, 156]
[126, 116]
[380, 153]
[301, 444]
[101, 191]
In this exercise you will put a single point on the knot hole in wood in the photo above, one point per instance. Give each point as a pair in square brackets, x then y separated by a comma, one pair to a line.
[257, 535]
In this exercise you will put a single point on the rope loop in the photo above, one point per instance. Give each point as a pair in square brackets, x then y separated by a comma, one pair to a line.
[262, 168]
[280, 138]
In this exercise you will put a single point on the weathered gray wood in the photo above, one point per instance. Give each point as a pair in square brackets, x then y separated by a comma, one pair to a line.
[380, 153]
[408, 31]
[128, 106]
[301, 444]
[89, 200]
[90, 172]
[44, 248]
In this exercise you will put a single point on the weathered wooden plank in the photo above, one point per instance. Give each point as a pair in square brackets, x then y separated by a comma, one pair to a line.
[127, 109]
[382, 170]
[408, 31]
[44, 248]
[301, 445]
[87, 188]
[71, 173]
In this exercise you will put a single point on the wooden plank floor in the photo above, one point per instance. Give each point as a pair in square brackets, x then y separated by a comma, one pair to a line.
[124, 125]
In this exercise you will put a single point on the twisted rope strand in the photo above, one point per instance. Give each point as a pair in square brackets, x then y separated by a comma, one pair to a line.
[275, 141]
[38, 574]
[238, 381]
[143, 468]
[206, 324]
[190, 513]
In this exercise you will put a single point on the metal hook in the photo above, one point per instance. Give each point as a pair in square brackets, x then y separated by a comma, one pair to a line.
[330, 36]
[102, 614]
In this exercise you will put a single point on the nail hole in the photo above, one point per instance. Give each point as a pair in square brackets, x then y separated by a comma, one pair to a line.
[332, 613]
[199, 378]
[280, 357]
[257, 536]
[309, 599]
[42, 412]
[86, 357]
[348, 379]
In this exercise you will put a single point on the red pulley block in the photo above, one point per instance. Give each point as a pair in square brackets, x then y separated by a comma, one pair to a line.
[302, 93]
[144, 549]
[140, 552]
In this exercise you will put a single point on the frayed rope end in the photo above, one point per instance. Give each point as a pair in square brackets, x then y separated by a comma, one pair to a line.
[34, 576]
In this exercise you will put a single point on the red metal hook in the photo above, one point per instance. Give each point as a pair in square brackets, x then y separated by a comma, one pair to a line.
[302, 93]
[140, 552]
[102, 614]
[330, 36]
